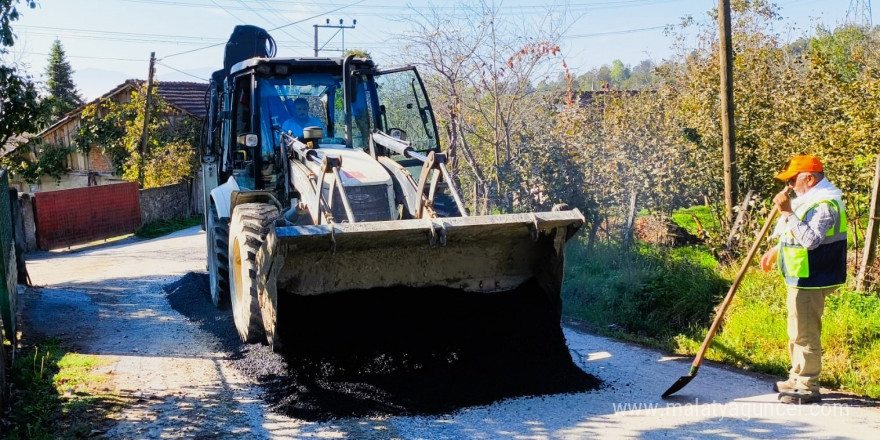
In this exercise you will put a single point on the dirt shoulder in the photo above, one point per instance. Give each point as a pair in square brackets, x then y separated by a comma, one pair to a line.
[108, 301]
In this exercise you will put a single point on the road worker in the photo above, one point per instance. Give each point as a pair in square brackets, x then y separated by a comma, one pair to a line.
[811, 255]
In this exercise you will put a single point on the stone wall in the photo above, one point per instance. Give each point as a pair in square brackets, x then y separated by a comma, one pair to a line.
[166, 203]
[25, 225]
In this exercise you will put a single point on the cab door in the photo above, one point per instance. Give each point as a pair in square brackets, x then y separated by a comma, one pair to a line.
[405, 110]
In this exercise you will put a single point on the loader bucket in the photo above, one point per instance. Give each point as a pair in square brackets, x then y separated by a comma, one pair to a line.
[481, 254]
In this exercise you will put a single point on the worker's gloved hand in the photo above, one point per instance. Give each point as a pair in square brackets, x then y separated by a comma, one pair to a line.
[783, 203]
[768, 259]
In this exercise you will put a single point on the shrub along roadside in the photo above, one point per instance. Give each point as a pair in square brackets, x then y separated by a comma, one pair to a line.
[164, 227]
[56, 395]
[666, 298]
[650, 294]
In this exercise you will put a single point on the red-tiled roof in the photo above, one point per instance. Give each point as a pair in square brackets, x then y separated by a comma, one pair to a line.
[186, 96]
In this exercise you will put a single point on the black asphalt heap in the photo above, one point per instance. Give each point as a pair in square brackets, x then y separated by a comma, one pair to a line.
[398, 351]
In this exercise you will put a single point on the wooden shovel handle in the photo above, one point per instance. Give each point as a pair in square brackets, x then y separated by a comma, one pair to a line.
[736, 281]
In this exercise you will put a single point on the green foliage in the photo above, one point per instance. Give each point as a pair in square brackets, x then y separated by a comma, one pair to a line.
[360, 53]
[117, 129]
[165, 227]
[816, 96]
[651, 293]
[8, 14]
[63, 96]
[619, 76]
[705, 219]
[170, 155]
[19, 104]
[55, 394]
[52, 161]
[103, 124]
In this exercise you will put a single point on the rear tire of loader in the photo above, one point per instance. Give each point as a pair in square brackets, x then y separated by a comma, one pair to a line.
[250, 223]
[218, 258]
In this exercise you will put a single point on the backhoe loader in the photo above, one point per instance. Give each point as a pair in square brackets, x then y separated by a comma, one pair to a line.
[363, 201]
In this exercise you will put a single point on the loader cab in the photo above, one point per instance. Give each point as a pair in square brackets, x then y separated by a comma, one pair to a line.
[261, 98]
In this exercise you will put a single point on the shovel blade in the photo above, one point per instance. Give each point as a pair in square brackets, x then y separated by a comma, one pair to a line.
[679, 384]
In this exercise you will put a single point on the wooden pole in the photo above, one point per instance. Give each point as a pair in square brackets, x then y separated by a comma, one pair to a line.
[870, 250]
[728, 130]
[144, 142]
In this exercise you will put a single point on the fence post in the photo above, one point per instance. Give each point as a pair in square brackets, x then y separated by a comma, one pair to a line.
[630, 219]
[740, 220]
[8, 267]
[870, 249]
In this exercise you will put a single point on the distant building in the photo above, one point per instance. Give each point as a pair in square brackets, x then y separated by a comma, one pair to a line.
[186, 98]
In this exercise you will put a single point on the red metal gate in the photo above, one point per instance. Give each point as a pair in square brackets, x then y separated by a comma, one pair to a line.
[82, 215]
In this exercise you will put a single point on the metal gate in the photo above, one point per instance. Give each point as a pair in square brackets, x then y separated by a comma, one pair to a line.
[83, 215]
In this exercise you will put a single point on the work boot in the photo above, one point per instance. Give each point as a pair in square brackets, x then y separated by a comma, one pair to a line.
[785, 385]
[800, 396]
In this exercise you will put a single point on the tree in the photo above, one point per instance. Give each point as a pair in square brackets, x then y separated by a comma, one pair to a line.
[63, 96]
[18, 95]
[8, 14]
[19, 102]
[117, 130]
[479, 67]
[619, 72]
[360, 53]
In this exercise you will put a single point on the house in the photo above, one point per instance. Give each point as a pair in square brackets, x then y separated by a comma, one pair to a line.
[186, 98]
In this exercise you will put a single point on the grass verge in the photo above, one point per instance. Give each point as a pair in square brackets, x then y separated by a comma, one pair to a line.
[666, 298]
[57, 395]
[647, 294]
[754, 334]
[165, 227]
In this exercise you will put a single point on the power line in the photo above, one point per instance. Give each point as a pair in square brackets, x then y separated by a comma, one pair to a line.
[180, 71]
[585, 6]
[227, 11]
[258, 14]
[624, 31]
[93, 31]
[87, 57]
[273, 29]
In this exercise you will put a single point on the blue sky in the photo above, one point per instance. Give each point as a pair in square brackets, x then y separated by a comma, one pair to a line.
[109, 41]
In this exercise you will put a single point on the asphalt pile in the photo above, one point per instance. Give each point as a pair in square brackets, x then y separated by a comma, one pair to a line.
[398, 351]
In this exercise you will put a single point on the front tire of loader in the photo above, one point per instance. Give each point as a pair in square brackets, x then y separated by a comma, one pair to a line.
[250, 223]
[218, 258]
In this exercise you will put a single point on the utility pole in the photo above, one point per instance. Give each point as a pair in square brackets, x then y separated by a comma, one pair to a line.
[859, 13]
[149, 101]
[728, 127]
[339, 26]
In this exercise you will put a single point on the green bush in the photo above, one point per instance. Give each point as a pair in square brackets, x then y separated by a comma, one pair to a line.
[165, 227]
[646, 292]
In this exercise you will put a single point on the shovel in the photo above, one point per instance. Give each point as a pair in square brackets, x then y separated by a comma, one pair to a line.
[684, 380]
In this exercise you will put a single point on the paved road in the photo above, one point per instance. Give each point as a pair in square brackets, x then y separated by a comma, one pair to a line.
[108, 301]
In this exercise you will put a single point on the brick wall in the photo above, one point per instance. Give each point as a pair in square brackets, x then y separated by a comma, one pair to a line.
[97, 161]
[82, 215]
